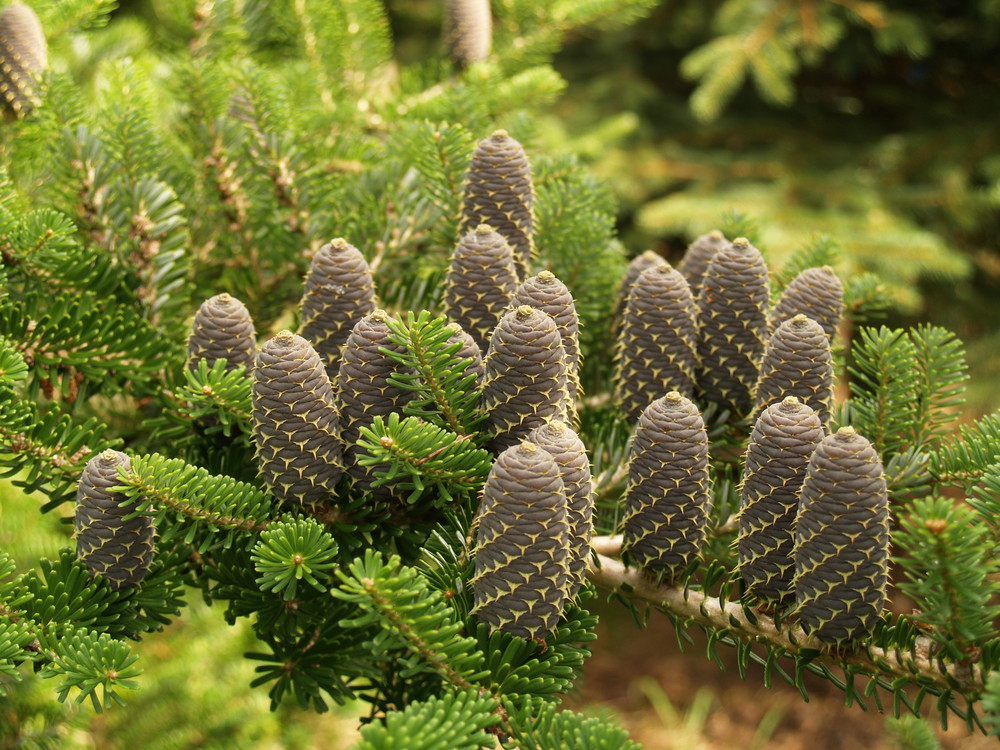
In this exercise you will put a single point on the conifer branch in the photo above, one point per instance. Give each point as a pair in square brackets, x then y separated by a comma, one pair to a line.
[916, 665]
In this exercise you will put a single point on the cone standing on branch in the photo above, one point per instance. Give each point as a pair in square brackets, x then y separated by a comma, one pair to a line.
[638, 264]
[842, 540]
[657, 346]
[547, 293]
[499, 192]
[782, 441]
[295, 422]
[798, 362]
[363, 388]
[339, 291]
[668, 498]
[526, 382]
[522, 544]
[481, 282]
[732, 320]
[468, 30]
[698, 256]
[222, 329]
[570, 455]
[816, 293]
[119, 550]
[24, 56]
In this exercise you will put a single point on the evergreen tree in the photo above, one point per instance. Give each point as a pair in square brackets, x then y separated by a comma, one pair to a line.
[219, 157]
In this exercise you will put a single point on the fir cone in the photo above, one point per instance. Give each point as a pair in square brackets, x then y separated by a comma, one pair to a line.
[668, 497]
[222, 329]
[798, 362]
[781, 443]
[732, 320]
[547, 293]
[468, 349]
[481, 283]
[468, 30]
[657, 347]
[570, 455]
[522, 545]
[842, 540]
[339, 291]
[24, 55]
[698, 256]
[526, 382]
[498, 192]
[295, 422]
[816, 293]
[111, 546]
[363, 388]
[638, 264]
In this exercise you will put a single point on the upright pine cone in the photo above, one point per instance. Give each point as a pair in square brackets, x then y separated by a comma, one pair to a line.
[526, 382]
[638, 264]
[481, 283]
[24, 55]
[363, 388]
[498, 192]
[112, 547]
[522, 545]
[732, 318]
[781, 443]
[657, 347]
[816, 293]
[842, 540]
[468, 349]
[547, 293]
[798, 362]
[295, 422]
[668, 497]
[468, 30]
[570, 455]
[698, 256]
[339, 291]
[222, 329]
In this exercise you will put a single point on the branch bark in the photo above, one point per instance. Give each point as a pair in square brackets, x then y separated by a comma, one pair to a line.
[917, 665]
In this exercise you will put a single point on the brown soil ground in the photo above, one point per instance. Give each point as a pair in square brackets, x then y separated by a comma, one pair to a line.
[669, 699]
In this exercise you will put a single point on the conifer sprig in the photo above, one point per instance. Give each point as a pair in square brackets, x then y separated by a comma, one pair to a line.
[415, 455]
[949, 564]
[411, 616]
[443, 390]
[455, 720]
[190, 503]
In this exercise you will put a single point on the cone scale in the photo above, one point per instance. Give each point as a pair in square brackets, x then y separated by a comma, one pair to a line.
[24, 56]
[468, 30]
